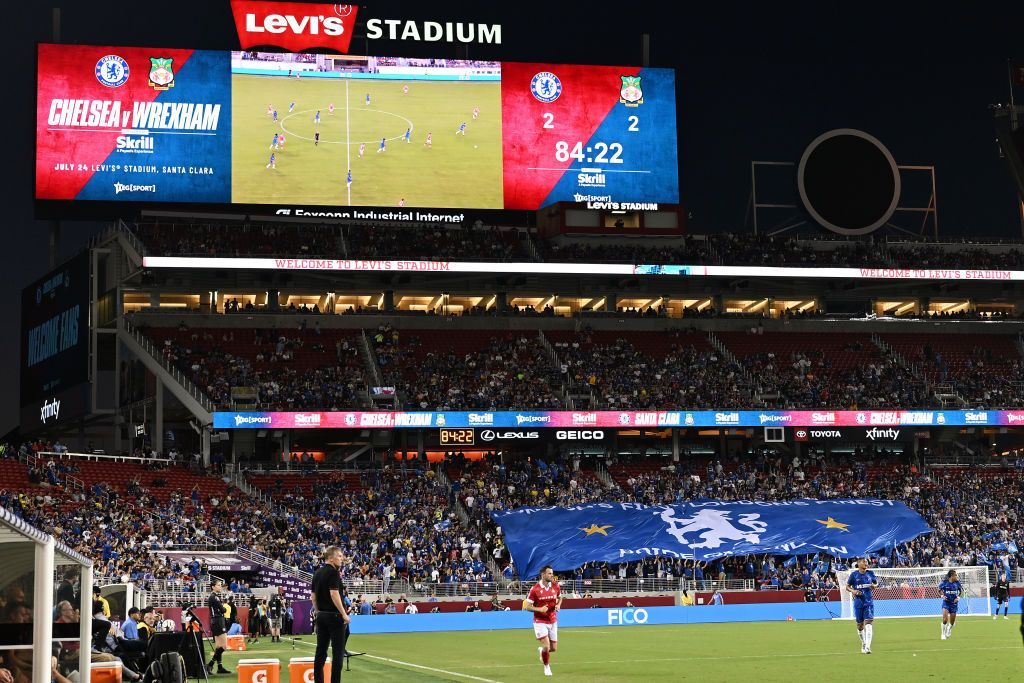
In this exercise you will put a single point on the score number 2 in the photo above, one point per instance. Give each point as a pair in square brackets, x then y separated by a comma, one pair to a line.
[634, 122]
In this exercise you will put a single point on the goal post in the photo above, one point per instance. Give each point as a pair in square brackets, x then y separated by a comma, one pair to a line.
[914, 592]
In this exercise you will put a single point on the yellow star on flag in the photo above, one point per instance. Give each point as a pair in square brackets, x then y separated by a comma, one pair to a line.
[595, 529]
[833, 524]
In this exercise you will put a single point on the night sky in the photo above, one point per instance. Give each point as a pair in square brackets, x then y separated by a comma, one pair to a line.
[754, 82]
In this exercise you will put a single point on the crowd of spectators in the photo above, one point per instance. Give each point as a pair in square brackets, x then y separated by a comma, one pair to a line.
[439, 243]
[508, 372]
[185, 239]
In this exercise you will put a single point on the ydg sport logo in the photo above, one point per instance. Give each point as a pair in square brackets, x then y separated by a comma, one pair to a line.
[630, 94]
[161, 73]
[112, 71]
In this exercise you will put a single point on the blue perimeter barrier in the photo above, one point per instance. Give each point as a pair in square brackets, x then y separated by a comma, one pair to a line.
[627, 616]
[493, 78]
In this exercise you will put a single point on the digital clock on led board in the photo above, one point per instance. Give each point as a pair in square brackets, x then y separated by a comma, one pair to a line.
[458, 437]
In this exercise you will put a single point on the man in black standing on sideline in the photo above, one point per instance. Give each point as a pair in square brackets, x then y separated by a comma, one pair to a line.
[330, 616]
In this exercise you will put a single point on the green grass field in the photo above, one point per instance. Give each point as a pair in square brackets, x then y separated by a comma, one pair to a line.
[903, 649]
[457, 171]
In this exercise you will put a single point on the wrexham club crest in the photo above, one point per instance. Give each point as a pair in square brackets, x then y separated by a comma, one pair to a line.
[161, 76]
[631, 95]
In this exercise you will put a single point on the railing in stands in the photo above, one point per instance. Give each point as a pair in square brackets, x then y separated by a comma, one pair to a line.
[272, 564]
[174, 372]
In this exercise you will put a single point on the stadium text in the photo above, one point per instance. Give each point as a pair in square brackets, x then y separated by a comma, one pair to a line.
[433, 31]
[923, 274]
[342, 264]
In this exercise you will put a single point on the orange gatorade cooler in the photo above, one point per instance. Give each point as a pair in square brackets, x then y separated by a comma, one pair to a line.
[236, 643]
[259, 670]
[300, 670]
[105, 672]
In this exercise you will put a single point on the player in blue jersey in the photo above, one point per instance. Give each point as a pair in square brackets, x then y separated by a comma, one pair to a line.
[273, 161]
[273, 143]
[951, 590]
[316, 119]
[348, 179]
[291, 107]
[408, 132]
[462, 129]
[275, 116]
[861, 583]
[383, 146]
[367, 99]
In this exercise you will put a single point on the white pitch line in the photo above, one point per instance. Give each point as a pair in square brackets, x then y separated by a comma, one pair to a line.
[852, 653]
[415, 666]
[348, 145]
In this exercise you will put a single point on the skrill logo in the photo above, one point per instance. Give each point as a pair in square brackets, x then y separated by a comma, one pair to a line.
[481, 418]
[307, 419]
[253, 420]
[774, 418]
[976, 418]
[584, 418]
[823, 418]
[727, 418]
[532, 419]
[140, 145]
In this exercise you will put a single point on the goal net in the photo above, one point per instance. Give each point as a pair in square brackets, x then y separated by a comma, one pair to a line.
[914, 592]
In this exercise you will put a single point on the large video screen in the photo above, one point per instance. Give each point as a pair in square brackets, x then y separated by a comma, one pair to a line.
[55, 346]
[248, 128]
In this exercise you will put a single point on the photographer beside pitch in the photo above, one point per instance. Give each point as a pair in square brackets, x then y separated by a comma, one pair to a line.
[329, 615]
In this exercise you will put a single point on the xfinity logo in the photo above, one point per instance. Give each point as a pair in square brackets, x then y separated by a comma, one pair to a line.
[774, 418]
[49, 409]
[491, 435]
[481, 418]
[886, 434]
[252, 420]
[579, 435]
[727, 418]
[307, 419]
[528, 419]
[823, 418]
[976, 418]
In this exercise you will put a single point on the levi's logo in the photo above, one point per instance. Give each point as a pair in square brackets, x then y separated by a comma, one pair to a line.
[294, 26]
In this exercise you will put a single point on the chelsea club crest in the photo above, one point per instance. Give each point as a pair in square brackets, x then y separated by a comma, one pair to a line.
[161, 76]
[546, 87]
[112, 71]
[630, 94]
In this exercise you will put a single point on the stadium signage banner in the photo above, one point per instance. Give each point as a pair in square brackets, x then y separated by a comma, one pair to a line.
[55, 346]
[315, 264]
[321, 135]
[294, 26]
[568, 537]
[854, 434]
[873, 425]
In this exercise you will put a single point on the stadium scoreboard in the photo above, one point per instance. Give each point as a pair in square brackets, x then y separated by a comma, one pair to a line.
[270, 131]
[457, 437]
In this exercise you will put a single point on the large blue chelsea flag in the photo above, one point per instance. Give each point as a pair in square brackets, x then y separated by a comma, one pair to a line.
[568, 537]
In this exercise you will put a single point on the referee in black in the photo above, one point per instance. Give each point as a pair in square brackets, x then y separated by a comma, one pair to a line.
[218, 628]
[330, 616]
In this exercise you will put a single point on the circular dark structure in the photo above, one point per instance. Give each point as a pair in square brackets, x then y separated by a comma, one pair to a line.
[848, 181]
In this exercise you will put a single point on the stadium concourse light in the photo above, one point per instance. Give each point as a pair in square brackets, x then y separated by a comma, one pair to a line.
[31, 554]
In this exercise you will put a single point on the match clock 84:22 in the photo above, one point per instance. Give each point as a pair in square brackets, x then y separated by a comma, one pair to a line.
[458, 437]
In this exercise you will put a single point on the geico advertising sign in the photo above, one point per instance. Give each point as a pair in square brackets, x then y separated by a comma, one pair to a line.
[579, 435]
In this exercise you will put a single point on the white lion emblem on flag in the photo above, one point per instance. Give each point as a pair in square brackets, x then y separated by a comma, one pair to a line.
[713, 527]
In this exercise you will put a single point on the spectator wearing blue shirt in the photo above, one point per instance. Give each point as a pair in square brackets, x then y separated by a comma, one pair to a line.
[365, 608]
[131, 624]
[716, 598]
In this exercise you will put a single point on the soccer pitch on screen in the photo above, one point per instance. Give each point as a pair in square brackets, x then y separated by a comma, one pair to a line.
[904, 649]
[455, 171]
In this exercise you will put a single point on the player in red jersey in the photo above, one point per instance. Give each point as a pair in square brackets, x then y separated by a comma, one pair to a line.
[544, 600]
